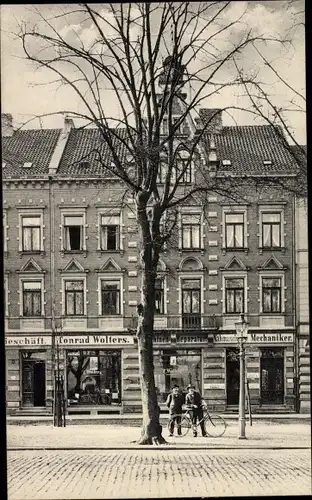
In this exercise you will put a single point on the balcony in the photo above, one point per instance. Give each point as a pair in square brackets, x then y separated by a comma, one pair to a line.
[185, 322]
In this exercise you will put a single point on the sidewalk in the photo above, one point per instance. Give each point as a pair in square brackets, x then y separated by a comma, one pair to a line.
[111, 437]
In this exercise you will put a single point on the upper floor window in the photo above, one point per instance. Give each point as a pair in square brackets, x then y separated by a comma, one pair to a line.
[191, 296]
[191, 231]
[74, 297]
[32, 298]
[73, 232]
[271, 230]
[110, 291]
[271, 295]
[234, 295]
[110, 232]
[234, 230]
[31, 233]
[159, 296]
[162, 172]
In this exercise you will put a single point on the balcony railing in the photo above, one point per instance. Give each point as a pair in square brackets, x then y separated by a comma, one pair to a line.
[183, 322]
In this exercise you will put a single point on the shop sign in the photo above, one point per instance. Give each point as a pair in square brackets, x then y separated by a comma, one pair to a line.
[100, 340]
[27, 341]
[256, 338]
[189, 339]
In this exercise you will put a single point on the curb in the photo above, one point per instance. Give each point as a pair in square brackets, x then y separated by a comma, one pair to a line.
[160, 447]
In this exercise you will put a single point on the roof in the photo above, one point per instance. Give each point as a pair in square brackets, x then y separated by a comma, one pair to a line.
[34, 146]
[88, 145]
[247, 147]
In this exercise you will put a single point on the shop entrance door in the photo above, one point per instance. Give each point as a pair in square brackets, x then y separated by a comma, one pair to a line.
[232, 376]
[33, 381]
[272, 376]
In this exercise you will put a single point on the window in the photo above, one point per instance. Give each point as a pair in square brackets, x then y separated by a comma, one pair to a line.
[174, 124]
[159, 296]
[74, 298]
[271, 295]
[271, 230]
[234, 230]
[110, 297]
[191, 231]
[185, 166]
[165, 126]
[191, 297]
[31, 234]
[73, 233]
[234, 295]
[32, 298]
[5, 230]
[162, 172]
[110, 232]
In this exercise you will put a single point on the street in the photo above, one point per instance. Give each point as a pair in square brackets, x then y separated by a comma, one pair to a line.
[89, 462]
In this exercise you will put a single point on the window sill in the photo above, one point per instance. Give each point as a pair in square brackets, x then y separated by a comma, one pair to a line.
[31, 252]
[100, 251]
[191, 250]
[235, 249]
[71, 252]
[271, 249]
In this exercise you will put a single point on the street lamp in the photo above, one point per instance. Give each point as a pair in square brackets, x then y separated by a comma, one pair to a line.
[241, 336]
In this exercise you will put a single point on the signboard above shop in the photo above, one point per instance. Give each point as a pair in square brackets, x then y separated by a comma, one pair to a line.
[28, 341]
[69, 340]
[255, 338]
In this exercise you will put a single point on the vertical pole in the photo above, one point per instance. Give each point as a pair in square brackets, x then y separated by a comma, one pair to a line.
[241, 417]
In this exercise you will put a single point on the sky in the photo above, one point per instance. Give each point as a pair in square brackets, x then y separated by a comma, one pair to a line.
[25, 94]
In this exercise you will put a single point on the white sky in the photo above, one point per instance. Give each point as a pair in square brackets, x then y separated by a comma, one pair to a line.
[22, 99]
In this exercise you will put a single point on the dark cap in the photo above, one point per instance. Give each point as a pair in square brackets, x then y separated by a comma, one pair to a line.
[190, 387]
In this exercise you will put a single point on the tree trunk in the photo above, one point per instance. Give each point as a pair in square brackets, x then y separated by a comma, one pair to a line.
[151, 428]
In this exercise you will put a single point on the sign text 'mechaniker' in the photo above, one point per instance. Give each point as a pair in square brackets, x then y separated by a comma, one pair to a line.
[258, 338]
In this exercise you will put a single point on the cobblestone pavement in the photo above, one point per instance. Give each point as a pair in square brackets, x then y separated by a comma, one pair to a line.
[90, 474]
[108, 436]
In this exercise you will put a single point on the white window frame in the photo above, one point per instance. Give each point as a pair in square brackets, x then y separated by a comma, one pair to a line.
[234, 275]
[107, 213]
[272, 274]
[270, 210]
[29, 278]
[237, 209]
[5, 230]
[185, 155]
[196, 275]
[191, 211]
[75, 277]
[162, 275]
[30, 213]
[6, 294]
[74, 212]
[110, 276]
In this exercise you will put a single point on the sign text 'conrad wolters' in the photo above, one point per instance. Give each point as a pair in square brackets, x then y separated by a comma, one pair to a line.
[256, 338]
[95, 340]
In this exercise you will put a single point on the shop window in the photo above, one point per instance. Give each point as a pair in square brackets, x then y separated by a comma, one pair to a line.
[191, 303]
[94, 377]
[234, 295]
[33, 378]
[234, 230]
[271, 230]
[159, 296]
[271, 295]
[191, 231]
[73, 233]
[32, 298]
[74, 298]
[110, 291]
[272, 375]
[31, 234]
[181, 367]
[232, 376]
[110, 232]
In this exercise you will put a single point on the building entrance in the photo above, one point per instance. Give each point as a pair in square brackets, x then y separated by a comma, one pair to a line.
[232, 376]
[33, 379]
[272, 376]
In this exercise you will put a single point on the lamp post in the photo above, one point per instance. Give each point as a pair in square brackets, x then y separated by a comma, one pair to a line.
[59, 407]
[241, 336]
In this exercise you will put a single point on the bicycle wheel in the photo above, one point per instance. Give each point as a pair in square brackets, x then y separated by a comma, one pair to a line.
[185, 424]
[215, 425]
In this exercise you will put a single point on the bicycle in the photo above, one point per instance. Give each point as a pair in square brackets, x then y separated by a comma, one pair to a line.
[215, 425]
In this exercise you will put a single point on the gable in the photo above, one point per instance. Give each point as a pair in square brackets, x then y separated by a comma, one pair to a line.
[272, 263]
[73, 266]
[235, 264]
[31, 267]
[110, 265]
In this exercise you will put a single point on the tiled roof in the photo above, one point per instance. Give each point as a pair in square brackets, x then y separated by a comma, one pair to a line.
[87, 145]
[247, 147]
[35, 146]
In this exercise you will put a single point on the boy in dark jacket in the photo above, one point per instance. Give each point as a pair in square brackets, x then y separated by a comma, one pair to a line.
[193, 400]
[175, 402]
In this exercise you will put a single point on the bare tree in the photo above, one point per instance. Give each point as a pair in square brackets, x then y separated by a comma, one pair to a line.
[159, 61]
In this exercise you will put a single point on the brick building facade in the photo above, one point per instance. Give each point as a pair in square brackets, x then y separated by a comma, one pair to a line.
[72, 280]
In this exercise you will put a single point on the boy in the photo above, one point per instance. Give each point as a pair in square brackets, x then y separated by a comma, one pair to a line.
[194, 401]
[175, 402]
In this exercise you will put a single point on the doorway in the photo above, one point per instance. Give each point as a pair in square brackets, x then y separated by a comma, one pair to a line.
[33, 380]
[232, 376]
[272, 376]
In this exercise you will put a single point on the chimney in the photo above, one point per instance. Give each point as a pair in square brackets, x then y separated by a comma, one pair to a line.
[213, 119]
[7, 125]
[61, 144]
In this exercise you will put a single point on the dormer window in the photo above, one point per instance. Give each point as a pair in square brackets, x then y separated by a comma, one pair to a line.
[27, 164]
[3, 164]
[267, 162]
[84, 164]
[226, 163]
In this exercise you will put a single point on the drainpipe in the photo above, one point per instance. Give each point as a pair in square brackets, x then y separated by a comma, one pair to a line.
[52, 281]
[295, 289]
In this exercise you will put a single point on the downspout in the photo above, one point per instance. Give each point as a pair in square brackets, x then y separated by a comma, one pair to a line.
[295, 288]
[52, 281]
